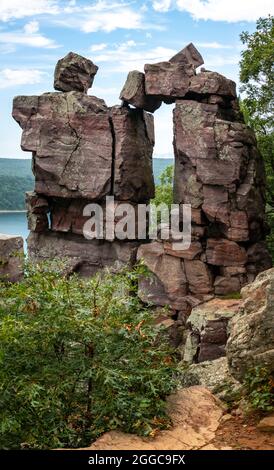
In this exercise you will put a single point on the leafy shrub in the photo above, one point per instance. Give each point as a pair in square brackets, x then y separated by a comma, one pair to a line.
[77, 358]
[259, 386]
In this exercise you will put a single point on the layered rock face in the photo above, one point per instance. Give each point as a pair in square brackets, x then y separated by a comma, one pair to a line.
[83, 152]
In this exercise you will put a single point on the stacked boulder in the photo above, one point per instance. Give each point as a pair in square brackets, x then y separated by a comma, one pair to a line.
[83, 152]
[219, 172]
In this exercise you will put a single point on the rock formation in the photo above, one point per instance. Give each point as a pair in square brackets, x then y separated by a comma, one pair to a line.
[219, 172]
[11, 258]
[251, 338]
[84, 151]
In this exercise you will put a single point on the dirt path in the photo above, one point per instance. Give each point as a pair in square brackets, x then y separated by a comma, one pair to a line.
[242, 434]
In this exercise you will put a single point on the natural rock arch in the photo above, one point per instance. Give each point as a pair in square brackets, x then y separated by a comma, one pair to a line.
[84, 151]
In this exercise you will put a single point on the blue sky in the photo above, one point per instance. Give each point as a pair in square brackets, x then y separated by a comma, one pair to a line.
[118, 36]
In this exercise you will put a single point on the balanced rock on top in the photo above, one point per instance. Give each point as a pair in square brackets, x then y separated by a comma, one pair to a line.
[134, 93]
[74, 73]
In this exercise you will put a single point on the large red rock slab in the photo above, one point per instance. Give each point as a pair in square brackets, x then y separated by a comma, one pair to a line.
[85, 257]
[75, 216]
[74, 73]
[134, 141]
[212, 83]
[169, 270]
[168, 81]
[134, 93]
[198, 276]
[71, 138]
[222, 252]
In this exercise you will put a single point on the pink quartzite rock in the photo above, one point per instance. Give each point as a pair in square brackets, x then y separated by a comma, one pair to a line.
[198, 276]
[74, 73]
[222, 252]
[134, 141]
[71, 138]
[207, 329]
[188, 55]
[68, 216]
[11, 258]
[134, 93]
[37, 209]
[85, 257]
[251, 339]
[212, 83]
[168, 81]
[169, 270]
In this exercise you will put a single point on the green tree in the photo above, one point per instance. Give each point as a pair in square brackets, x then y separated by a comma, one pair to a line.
[164, 190]
[77, 358]
[257, 77]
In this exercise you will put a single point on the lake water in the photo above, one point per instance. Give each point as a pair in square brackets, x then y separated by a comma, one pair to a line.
[14, 223]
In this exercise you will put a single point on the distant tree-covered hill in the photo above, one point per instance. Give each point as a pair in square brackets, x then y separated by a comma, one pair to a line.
[16, 178]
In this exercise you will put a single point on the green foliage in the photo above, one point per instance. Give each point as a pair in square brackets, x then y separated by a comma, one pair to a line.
[259, 386]
[257, 72]
[164, 190]
[257, 77]
[233, 296]
[77, 358]
[12, 192]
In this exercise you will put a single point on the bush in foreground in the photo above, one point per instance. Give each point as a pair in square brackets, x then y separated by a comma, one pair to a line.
[78, 358]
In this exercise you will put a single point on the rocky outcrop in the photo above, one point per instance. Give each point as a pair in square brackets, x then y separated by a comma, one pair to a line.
[219, 172]
[214, 375]
[251, 338]
[74, 73]
[11, 258]
[195, 414]
[208, 330]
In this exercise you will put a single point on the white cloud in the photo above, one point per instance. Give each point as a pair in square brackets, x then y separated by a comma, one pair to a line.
[27, 37]
[224, 10]
[106, 16]
[32, 27]
[213, 45]
[15, 77]
[107, 20]
[98, 47]
[218, 61]
[125, 57]
[14, 9]
[161, 5]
